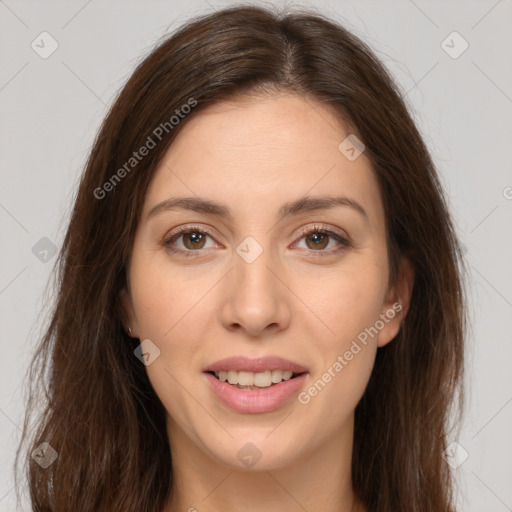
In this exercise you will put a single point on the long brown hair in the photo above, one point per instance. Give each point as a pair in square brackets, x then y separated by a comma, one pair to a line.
[99, 411]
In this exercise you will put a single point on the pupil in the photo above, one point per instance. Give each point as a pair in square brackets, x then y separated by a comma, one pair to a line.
[194, 238]
[318, 240]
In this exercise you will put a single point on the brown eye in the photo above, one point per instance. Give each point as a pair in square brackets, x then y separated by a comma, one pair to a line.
[188, 241]
[318, 240]
[193, 240]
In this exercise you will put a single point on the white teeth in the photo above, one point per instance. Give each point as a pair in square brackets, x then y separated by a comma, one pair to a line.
[287, 374]
[246, 378]
[261, 379]
[277, 376]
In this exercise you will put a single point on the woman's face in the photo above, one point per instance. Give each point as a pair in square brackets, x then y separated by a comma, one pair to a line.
[269, 272]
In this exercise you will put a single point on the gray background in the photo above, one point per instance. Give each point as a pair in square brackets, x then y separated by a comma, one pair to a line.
[51, 109]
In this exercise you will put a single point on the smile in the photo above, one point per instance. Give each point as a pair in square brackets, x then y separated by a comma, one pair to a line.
[252, 380]
[252, 398]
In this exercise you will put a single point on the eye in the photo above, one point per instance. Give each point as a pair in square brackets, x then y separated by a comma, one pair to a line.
[193, 240]
[318, 238]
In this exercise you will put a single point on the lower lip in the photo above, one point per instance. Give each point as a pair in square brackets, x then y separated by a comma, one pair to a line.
[254, 401]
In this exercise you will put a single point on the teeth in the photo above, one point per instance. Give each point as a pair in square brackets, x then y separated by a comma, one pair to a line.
[277, 376]
[246, 378]
[261, 379]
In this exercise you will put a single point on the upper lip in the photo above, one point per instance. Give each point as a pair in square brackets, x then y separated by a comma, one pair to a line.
[260, 364]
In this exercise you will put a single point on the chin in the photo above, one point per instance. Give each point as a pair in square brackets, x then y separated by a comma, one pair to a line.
[256, 451]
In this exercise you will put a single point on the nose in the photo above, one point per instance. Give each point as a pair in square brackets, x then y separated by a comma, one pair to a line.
[256, 298]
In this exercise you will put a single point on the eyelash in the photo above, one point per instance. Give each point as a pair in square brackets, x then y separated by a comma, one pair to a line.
[344, 243]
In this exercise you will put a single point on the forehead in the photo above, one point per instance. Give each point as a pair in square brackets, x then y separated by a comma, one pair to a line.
[250, 152]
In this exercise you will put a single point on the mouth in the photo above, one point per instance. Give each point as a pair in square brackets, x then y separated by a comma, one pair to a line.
[251, 381]
[255, 385]
[252, 393]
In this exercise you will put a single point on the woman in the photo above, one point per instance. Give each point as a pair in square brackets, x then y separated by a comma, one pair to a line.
[260, 301]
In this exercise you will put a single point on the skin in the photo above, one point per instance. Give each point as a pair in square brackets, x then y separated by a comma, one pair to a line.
[253, 155]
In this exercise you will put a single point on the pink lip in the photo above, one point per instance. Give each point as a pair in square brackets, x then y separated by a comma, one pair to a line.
[254, 401]
[260, 364]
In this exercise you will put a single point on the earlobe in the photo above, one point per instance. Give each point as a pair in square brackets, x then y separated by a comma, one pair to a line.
[397, 303]
[128, 314]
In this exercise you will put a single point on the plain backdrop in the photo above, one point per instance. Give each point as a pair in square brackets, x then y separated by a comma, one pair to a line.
[460, 97]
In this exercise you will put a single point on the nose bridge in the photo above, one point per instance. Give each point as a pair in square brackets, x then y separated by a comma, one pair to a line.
[255, 299]
[253, 278]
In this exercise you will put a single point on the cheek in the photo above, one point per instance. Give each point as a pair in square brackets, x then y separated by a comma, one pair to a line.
[168, 301]
[173, 313]
[349, 303]
[174, 307]
[347, 358]
[346, 300]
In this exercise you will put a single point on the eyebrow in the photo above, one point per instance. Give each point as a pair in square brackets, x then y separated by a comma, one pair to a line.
[304, 204]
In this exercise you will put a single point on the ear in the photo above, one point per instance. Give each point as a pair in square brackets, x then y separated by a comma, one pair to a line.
[129, 319]
[397, 302]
